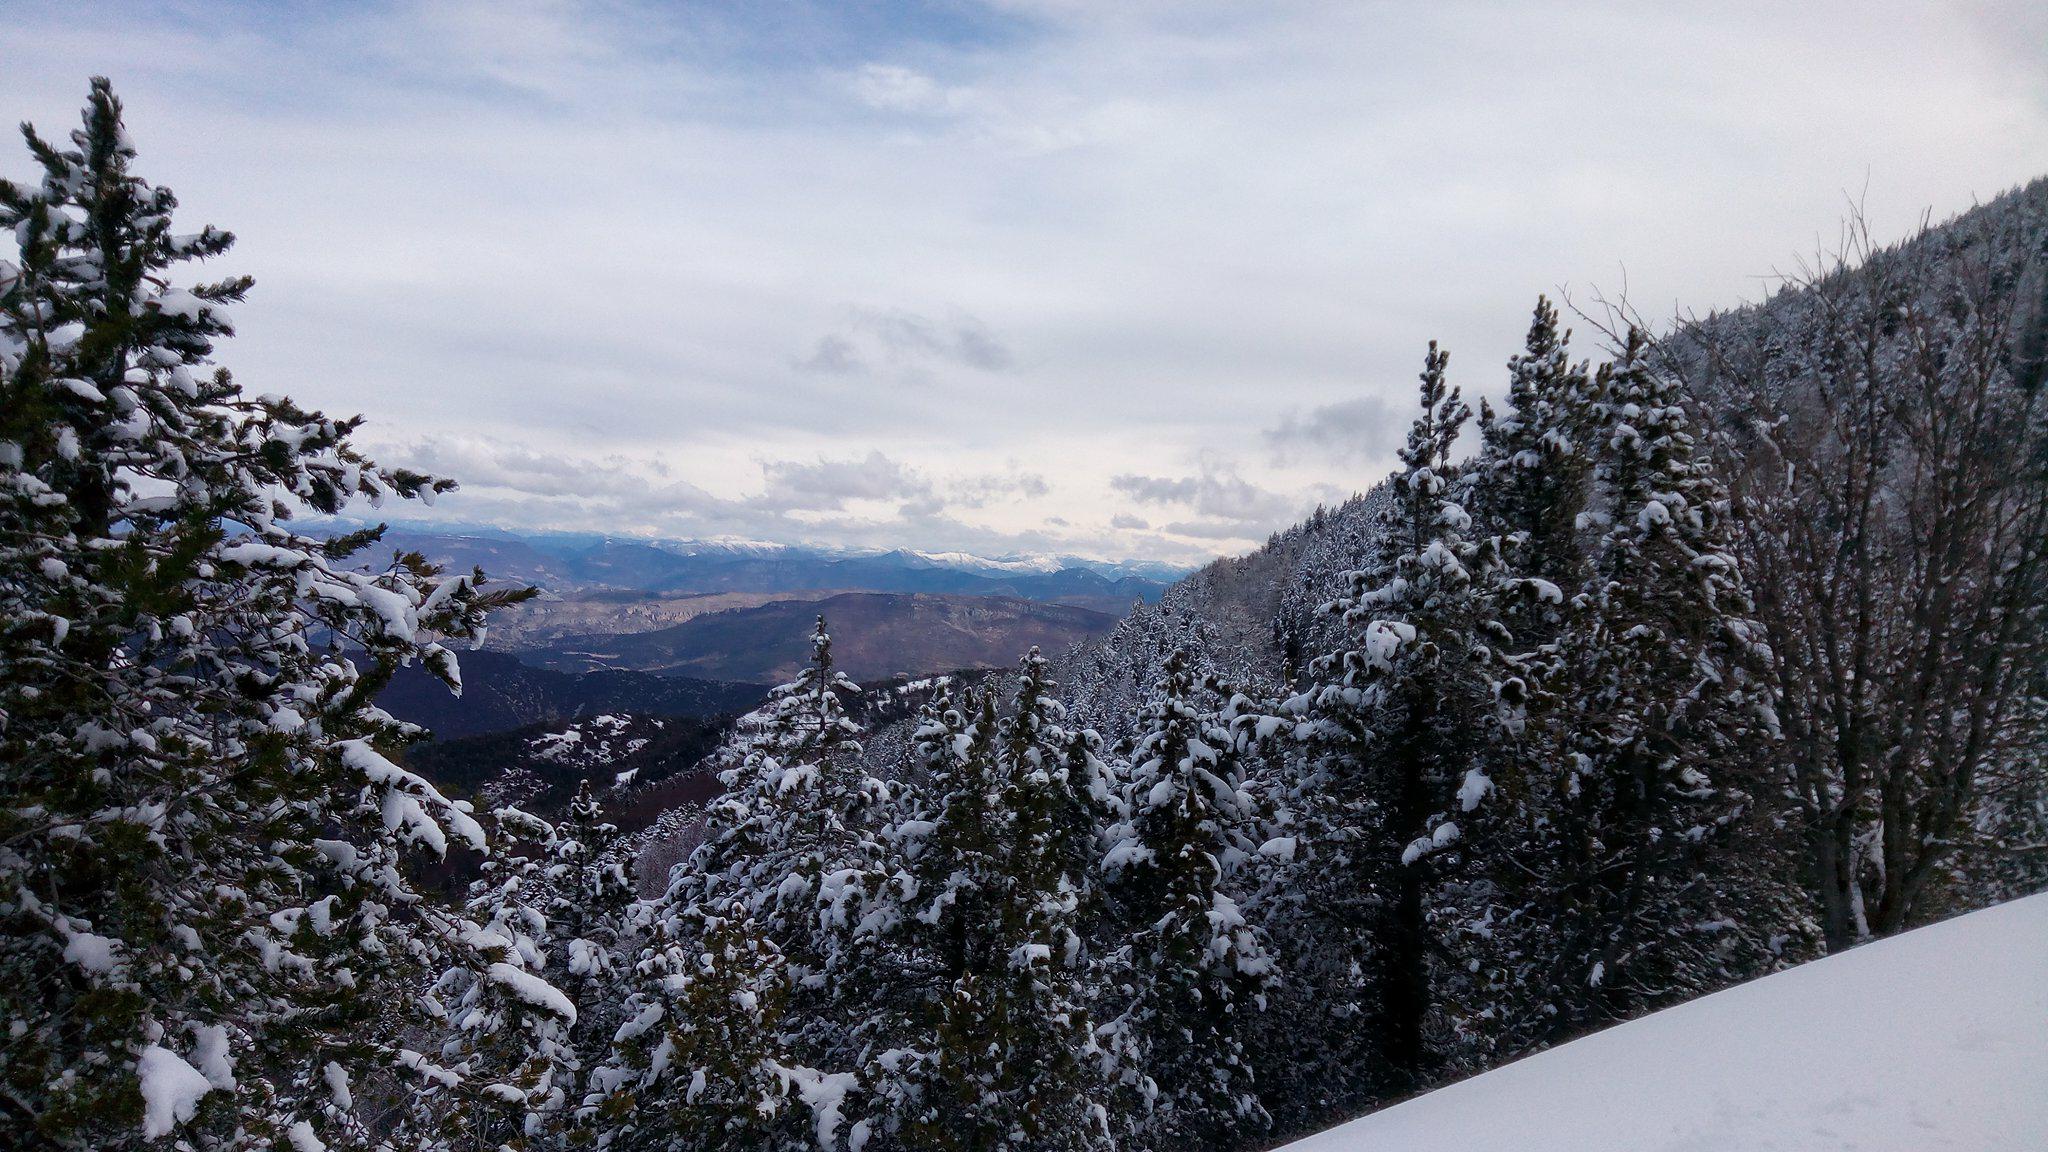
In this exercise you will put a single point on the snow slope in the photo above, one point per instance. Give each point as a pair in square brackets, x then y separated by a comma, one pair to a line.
[1936, 1039]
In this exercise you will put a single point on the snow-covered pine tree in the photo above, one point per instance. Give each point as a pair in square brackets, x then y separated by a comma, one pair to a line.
[205, 921]
[1527, 488]
[1062, 797]
[1416, 717]
[1531, 478]
[998, 1051]
[793, 836]
[1655, 893]
[701, 1060]
[590, 911]
[508, 1037]
[781, 878]
[941, 883]
[1192, 968]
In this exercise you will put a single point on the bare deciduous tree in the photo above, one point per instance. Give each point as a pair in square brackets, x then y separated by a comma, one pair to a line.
[1889, 445]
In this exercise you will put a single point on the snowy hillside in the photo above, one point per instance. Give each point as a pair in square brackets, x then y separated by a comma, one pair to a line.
[1935, 1039]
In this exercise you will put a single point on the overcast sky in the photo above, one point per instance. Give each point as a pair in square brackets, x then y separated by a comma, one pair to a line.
[1123, 279]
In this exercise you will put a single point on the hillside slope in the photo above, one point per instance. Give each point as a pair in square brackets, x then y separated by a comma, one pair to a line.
[1252, 618]
[1255, 617]
[875, 635]
[500, 693]
[1934, 1039]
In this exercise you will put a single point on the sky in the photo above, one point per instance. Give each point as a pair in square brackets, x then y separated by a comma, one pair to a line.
[1125, 280]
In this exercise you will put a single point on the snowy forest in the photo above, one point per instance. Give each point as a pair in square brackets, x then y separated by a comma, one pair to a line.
[1717, 647]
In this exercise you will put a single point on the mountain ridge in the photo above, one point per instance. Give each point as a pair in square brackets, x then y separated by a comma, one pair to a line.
[876, 635]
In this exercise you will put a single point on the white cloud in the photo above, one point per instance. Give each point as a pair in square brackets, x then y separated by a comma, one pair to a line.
[868, 500]
[827, 485]
[1229, 503]
[894, 88]
[916, 346]
[1350, 431]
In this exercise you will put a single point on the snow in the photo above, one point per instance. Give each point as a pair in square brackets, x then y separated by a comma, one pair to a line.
[171, 1090]
[967, 562]
[210, 1051]
[401, 803]
[93, 953]
[338, 1086]
[533, 990]
[1936, 1039]
[1477, 784]
[1281, 848]
[825, 1093]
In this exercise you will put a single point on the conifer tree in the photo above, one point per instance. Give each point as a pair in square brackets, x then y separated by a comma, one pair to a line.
[1193, 967]
[206, 926]
[1657, 894]
[1061, 794]
[999, 1052]
[1530, 481]
[781, 882]
[1418, 717]
[793, 835]
[1528, 488]
[590, 912]
[508, 1038]
[701, 1060]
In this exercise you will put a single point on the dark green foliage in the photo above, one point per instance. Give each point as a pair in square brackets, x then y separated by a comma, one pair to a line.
[203, 893]
[996, 1049]
[1191, 969]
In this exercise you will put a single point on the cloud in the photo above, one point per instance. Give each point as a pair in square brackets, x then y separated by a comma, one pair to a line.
[827, 485]
[482, 462]
[1213, 529]
[981, 491]
[1349, 432]
[893, 88]
[834, 354]
[869, 500]
[913, 343]
[1217, 492]
[1126, 520]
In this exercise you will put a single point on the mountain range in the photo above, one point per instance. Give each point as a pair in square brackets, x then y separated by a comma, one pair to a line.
[566, 565]
[875, 635]
[713, 615]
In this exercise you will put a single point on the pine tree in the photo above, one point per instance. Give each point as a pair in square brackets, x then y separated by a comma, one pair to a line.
[1060, 792]
[1532, 475]
[754, 945]
[590, 910]
[792, 837]
[1418, 717]
[508, 1027]
[1657, 896]
[998, 1052]
[1194, 967]
[1528, 488]
[701, 1061]
[205, 919]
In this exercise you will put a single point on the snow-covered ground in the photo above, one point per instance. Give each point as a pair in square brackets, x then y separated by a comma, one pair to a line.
[1937, 1039]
